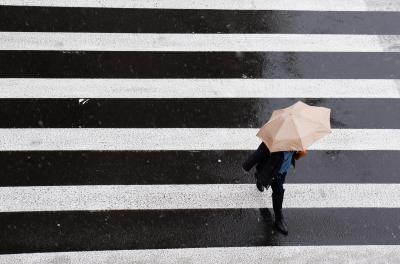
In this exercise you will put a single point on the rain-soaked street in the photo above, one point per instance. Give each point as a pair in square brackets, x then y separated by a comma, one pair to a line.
[124, 126]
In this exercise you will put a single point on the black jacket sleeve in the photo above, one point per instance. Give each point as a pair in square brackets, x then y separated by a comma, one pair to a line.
[261, 153]
[266, 171]
[276, 161]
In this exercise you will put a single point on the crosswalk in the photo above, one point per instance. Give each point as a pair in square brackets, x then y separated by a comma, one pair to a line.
[198, 88]
[196, 196]
[313, 5]
[189, 139]
[291, 255]
[197, 42]
[124, 125]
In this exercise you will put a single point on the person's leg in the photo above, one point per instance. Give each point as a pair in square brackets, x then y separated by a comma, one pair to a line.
[259, 186]
[277, 200]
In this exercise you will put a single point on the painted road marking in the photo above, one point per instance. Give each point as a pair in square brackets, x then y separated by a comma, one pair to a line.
[198, 88]
[220, 255]
[204, 196]
[198, 42]
[309, 5]
[181, 139]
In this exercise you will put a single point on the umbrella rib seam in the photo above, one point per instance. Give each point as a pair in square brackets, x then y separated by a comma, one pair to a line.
[298, 131]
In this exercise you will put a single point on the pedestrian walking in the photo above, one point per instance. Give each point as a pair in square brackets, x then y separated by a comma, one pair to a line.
[286, 137]
[271, 170]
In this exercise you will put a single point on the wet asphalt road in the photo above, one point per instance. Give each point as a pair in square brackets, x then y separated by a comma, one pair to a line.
[53, 19]
[107, 230]
[260, 65]
[41, 168]
[59, 231]
[189, 113]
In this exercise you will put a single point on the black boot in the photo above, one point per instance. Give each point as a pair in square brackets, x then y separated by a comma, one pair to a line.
[260, 187]
[280, 224]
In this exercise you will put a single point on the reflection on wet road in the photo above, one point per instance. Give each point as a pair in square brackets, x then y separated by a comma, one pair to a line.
[171, 113]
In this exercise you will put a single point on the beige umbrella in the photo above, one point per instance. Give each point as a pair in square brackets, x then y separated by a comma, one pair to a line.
[295, 127]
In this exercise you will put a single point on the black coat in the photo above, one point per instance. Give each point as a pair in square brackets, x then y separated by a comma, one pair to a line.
[267, 164]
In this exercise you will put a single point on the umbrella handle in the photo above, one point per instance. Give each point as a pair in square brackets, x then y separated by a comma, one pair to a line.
[300, 154]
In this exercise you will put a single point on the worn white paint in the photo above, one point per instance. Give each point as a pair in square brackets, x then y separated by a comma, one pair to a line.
[379, 254]
[180, 139]
[197, 42]
[312, 5]
[204, 196]
[198, 88]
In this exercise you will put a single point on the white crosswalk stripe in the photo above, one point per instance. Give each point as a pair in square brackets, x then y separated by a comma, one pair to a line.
[282, 254]
[309, 5]
[204, 196]
[181, 139]
[198, 42]
[198, 88]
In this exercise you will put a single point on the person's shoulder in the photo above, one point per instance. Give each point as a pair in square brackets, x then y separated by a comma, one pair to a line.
[263, 147]
[280, 154]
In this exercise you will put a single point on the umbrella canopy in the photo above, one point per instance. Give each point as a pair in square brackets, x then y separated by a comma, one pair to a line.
[295, 127]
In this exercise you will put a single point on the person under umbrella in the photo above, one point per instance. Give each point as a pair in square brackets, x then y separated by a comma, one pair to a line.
[285, 139]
